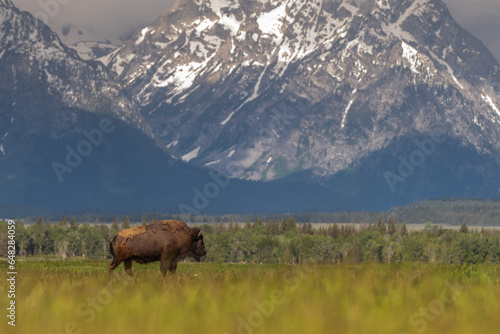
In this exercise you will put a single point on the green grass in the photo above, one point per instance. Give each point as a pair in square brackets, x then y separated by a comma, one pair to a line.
[79, 297]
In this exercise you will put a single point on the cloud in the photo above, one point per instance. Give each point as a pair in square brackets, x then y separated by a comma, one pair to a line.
[110, 19]
[96, 19]
[481, 18]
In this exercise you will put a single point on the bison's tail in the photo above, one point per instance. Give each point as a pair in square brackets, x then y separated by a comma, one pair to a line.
[111, 250]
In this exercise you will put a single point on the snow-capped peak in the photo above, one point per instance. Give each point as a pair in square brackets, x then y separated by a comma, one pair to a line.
[259, 77]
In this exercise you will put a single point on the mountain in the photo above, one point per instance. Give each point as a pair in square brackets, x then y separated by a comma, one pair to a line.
[309, 106]
[90, 50]
[49, 99]
[269, 88]
[70, 141]
[40, 72]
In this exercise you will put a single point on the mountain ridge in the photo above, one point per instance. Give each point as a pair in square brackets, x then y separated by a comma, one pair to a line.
[45, 71]
[321, 100]
[240, 75]
[71, 141]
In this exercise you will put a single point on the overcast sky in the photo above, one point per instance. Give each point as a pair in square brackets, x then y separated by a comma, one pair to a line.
[115, 19]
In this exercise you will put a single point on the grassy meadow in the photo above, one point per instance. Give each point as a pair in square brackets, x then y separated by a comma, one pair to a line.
[78, 296]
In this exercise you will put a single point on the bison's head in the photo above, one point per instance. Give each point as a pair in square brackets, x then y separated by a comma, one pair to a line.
[198, 246]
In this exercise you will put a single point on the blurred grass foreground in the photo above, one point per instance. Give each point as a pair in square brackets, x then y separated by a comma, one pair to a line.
[79, 297]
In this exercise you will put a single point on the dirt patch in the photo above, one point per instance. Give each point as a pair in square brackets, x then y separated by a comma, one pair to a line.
[130, 233]
[173, 226]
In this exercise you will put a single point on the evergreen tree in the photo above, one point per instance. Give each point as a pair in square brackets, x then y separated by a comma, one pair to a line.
[30, 247]
[381, 226]
[73, 224]
[272, 228]
[403, 230]
[309, 229]
[125, 224]
[248, 225]
[334, 231]
[287, 225]
[464, 228]
[48, 243]
[269, 230]
[144, 223]
[282, 226]
[440, 231]
[221, 227]
[258, 223]
[342, 231]
[104, 232]
[115, 228]
[391, 228]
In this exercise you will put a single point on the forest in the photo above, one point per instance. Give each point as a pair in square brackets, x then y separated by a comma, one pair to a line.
[276, 241]
[445, 211]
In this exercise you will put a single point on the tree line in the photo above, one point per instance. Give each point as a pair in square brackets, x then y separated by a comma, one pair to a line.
[277, 240]
[482, 212]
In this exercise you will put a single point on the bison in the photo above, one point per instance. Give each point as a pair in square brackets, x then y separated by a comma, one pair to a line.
[167, 241]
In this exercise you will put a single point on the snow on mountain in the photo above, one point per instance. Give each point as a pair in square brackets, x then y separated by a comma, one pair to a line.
[38, 69]
[48, 96]
[313, 84]
[93, 50]
[262, 90]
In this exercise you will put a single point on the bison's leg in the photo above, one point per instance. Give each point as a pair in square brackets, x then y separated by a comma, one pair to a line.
[165, 263]
[113, 265]
[128, 266]
[173, 267]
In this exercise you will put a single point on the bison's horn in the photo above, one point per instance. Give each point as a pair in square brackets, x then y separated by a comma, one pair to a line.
[199, 234]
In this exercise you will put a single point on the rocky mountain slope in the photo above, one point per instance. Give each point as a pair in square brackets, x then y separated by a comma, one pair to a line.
[49, 99]
[40, 74]
[337, 105]
[70, 141]
[276, 87]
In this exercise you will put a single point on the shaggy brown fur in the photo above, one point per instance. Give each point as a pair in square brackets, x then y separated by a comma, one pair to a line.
[166, 241]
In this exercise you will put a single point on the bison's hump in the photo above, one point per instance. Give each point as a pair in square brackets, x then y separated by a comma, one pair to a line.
[173, 226]
[130, 233]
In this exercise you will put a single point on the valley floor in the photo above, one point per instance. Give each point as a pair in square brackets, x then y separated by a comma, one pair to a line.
[78, 296]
